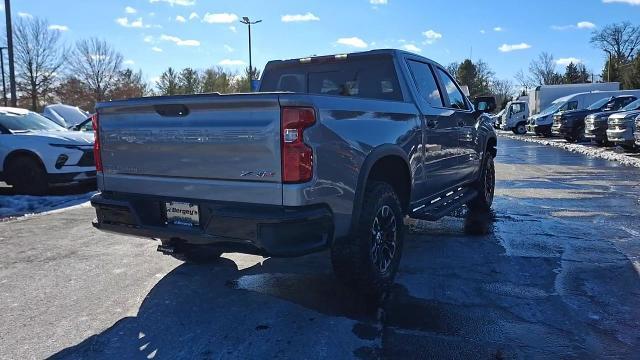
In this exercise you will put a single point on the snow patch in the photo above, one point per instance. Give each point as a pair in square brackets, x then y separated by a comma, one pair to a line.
[585, 149]
[19, 205]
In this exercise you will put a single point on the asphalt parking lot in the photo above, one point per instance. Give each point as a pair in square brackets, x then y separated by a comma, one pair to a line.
[557, 277]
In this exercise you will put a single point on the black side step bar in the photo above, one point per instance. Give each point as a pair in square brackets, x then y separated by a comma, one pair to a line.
[445, 204]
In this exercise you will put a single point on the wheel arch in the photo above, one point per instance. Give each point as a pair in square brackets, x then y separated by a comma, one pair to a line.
[385, 163]
[21, 152]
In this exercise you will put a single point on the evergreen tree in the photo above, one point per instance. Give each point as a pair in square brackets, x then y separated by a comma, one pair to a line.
[572, 74]
[189, 81]
[168, 83]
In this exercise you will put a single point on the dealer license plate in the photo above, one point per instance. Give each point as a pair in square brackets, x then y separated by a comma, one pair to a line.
[185, 214]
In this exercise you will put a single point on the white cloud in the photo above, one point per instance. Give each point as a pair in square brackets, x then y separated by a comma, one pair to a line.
[180, 18]
[412, 48]
[352, 41]
[230, 62]
[59, 27]
[585, 25]
[378, 2]
[580, 25]
[179, 41]
[176, 2]
[148, 39]
[130, 10]
[300, 17]
[25, 15]
[233, 28]
[137, 23]
[498, 29]
[156, 49]
[128, 62]
[194, 15]
[221, 18]
[229, 48]
[514, 47]
[431, 36]
[630, 2]
[483, 31]
[567, 61]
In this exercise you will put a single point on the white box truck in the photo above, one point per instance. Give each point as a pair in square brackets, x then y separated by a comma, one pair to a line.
[544, 95]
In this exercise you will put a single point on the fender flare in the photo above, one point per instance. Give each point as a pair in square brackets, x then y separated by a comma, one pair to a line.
[368, 163]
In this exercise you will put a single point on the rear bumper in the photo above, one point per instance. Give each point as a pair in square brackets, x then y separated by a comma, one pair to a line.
[232, 227]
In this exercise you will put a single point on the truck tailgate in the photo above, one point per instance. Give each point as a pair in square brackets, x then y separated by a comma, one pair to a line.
[210, 147]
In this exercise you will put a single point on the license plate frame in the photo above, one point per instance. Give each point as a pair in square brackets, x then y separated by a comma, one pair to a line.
[182, 213]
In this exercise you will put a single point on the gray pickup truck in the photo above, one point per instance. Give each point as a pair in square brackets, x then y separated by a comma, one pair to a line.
[332, 153]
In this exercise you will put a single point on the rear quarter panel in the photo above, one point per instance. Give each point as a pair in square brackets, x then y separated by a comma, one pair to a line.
[347, 130]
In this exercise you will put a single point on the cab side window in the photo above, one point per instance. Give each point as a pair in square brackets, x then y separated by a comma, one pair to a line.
[456, 97]
[517, 108]
[572, 105]
[426, 83]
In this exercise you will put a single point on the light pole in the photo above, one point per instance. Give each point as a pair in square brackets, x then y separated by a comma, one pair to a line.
[608, 66]
[4, 86]
[245, 20]
[12, 73]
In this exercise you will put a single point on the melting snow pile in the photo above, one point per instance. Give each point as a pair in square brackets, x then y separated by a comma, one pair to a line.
[589, 150]
[18, 205]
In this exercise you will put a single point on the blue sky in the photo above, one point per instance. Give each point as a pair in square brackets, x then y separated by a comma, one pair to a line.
[155, 34]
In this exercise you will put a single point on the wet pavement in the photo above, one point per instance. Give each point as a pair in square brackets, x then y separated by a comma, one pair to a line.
[558, 276]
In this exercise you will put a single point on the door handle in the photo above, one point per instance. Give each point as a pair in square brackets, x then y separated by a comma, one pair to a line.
[460, 123]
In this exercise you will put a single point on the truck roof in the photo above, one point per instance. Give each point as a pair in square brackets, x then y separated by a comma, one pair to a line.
[376, 52]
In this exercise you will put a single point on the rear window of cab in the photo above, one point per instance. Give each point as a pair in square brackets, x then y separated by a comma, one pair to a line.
[371, 78]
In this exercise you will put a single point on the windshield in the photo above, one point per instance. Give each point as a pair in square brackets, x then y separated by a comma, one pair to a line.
[71, 115]
[27, 121]
[632, 106]
[553, 108]
[598, 104]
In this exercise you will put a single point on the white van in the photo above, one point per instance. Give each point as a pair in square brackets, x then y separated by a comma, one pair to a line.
[541, 124]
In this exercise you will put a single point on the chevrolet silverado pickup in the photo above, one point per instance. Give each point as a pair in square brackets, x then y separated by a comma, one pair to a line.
[332, 153]
[571, 125]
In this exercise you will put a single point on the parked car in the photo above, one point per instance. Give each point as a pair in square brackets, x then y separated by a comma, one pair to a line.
[35, 152]
[596, 125]
[570, 124]
[65, 115]
[545, 95]
[496, 119]
[621, 128]
[515, 117]
[541, 124]
[333, 154]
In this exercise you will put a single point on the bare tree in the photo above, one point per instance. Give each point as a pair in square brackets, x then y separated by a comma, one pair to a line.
[502, 90]
[620, 40]
[97, 64]
[543, 70]
[38, 57]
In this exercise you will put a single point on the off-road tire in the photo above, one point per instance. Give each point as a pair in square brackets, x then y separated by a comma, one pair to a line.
[354, 258]
[485, 186]
[27, 175]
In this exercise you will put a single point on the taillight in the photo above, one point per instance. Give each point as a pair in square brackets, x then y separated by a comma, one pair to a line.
[297, 157]
[96, 142]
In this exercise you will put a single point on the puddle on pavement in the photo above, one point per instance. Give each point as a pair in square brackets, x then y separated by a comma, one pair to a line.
[321, 293]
